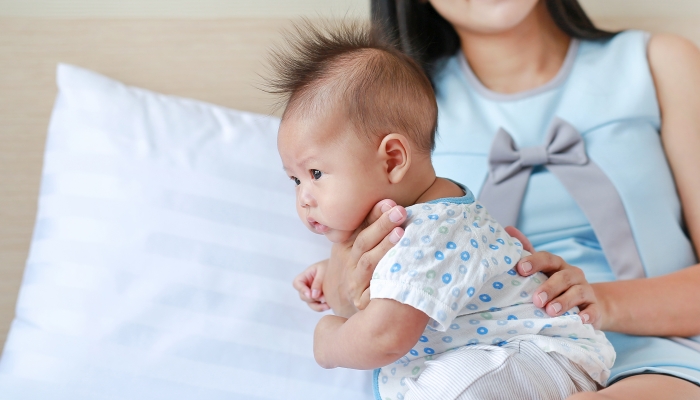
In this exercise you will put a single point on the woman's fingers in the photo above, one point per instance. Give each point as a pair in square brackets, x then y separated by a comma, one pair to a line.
[379, 209]
[540, 261]
[580, 296]
[368, 261]
[590, 314]
[515, 232]
[566, 287]
[372, 235]
[364, 300]
[565, 280]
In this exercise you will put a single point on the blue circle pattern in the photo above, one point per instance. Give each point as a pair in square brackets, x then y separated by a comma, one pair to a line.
[447, 278]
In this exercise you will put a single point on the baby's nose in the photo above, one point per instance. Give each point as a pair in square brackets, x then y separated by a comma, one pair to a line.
[305, 198]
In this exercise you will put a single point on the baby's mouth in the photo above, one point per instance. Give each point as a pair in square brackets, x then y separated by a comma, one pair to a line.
[319, 228]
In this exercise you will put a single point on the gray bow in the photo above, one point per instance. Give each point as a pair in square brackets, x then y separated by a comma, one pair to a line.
[564, 155]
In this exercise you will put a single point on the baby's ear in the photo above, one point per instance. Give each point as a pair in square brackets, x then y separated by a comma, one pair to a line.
[395, 152]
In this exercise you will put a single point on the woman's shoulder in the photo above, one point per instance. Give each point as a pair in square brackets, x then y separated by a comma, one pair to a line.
[673, 59]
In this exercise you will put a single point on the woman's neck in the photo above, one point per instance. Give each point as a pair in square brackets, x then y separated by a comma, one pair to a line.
[522, 58]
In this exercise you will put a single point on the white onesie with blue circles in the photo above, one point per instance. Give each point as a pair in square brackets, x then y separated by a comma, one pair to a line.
[456, 264]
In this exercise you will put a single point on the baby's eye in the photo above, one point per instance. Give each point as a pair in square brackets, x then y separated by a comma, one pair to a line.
[316, 174]
[297, 182]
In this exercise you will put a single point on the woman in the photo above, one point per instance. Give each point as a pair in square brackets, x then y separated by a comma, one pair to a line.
[517, 78]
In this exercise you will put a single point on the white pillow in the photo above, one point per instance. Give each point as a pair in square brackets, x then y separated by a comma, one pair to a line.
[163, 253]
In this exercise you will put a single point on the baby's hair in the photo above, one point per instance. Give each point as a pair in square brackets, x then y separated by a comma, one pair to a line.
[352, 68]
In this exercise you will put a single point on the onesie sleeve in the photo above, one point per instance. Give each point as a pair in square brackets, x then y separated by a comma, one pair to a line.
[446, 254]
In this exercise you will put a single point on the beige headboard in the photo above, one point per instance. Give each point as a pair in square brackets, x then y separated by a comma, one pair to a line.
[214, 60]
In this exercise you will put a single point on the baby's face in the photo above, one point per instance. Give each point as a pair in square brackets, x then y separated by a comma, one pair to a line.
[338, 176]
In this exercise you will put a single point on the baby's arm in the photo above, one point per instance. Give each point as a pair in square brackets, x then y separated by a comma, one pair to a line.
[374, 337]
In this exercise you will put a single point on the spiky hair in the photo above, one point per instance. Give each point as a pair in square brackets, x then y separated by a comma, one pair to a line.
[350, 67]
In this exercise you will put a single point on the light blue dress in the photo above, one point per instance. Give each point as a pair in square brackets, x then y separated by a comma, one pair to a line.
[606, 91]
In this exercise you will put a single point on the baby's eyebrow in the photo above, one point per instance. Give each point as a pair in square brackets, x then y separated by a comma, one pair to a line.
[306, 160]
[301, 163]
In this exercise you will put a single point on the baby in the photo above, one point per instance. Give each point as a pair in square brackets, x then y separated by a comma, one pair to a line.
[449, 318]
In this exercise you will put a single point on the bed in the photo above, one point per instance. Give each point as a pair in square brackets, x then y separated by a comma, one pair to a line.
[213, 60]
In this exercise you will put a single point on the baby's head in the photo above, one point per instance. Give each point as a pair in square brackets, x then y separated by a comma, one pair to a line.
[358, 127]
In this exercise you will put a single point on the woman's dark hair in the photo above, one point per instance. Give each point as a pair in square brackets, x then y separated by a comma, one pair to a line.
[426, 36]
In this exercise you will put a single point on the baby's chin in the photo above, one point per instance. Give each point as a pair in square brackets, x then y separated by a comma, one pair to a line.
[338, 236]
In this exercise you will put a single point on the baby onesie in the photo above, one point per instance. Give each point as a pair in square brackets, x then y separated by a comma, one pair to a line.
[456, 264]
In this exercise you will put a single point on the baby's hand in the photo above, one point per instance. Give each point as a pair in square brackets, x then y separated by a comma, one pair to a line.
[309, 284]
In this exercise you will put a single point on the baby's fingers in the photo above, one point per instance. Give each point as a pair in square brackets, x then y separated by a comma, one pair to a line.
[302, 285]
[319, 307]
[317, 284]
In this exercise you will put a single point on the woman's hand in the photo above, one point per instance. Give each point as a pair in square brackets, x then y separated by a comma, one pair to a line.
[352, 263]
[309, 284]
[566, 287]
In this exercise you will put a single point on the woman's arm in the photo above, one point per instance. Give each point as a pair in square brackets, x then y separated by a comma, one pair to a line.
[670, 304]
[377, 336]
